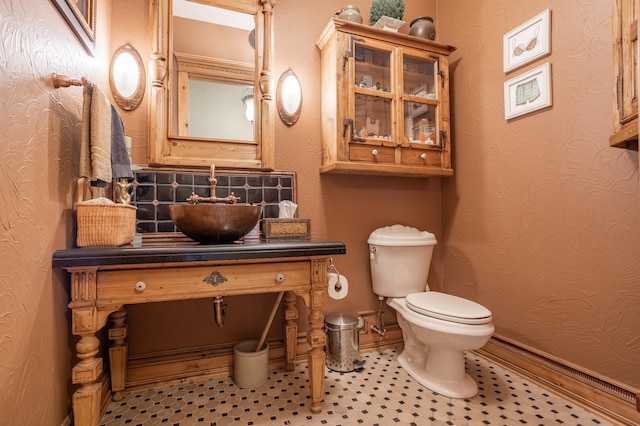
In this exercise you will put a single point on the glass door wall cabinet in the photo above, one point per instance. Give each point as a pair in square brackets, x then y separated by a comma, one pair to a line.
[625, 66]
[385, 102]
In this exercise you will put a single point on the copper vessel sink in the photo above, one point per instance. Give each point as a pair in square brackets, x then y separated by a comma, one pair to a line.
[215, 223]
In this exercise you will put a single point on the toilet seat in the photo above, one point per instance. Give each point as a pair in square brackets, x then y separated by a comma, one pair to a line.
[448, 307]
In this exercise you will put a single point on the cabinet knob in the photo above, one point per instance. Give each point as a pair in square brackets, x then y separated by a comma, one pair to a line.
[374, 152]
[280, 278]
[423, 155]
[140, 286]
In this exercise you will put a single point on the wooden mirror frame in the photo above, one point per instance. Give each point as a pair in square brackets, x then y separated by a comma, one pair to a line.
[165, 149]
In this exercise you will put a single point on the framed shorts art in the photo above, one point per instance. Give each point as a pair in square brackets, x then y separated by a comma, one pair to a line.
[528, 92]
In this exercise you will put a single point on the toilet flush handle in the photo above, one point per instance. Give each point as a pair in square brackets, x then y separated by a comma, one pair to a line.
[372, 252]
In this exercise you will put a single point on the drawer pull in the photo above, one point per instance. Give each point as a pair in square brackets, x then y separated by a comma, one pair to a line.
[140, 286]
[374, 152]
[280, 278]
[215, 279]
[423, 156]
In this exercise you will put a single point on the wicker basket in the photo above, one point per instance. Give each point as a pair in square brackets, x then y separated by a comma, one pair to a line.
[104, 224]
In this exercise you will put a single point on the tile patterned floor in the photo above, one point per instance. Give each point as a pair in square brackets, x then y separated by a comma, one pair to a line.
[382, 393]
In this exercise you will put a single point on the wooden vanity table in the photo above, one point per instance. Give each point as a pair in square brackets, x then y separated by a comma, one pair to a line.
[106, 279]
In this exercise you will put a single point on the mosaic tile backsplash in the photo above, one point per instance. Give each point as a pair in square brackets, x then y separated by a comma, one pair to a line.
[155, 191]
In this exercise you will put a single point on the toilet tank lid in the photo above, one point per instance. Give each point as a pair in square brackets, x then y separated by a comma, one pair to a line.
[401, 235]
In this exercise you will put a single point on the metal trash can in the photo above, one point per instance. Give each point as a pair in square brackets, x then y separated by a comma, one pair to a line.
[343, 343]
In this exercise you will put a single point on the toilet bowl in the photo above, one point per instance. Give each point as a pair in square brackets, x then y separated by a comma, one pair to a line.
[437, 328]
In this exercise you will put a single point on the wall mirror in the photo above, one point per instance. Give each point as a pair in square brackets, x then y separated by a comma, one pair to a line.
[127, 78]
[289, 98]
[211, 64]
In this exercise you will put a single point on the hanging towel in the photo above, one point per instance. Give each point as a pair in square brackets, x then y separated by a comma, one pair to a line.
[120, 164]
[95, 150]
[103, 152]
[100, 136]
[85, 137]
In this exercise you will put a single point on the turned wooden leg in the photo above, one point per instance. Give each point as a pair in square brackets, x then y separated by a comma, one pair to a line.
[316, 358]
[118, 353]
[316, 336]
[290, 329]
[86, 320]
[86, 400]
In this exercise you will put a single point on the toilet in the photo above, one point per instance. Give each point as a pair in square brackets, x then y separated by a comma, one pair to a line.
[437, 328]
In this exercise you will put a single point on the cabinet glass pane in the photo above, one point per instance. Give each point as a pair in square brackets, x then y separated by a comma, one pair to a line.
[373, 68]
[421, 100]
[373, 118]
[419, 123]
[419, 77]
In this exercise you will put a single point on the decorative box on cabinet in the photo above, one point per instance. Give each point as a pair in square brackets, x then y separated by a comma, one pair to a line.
[385, 102]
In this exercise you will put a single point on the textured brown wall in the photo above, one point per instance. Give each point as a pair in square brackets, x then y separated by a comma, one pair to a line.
[541, 220]
[39, 140]
[130, 25]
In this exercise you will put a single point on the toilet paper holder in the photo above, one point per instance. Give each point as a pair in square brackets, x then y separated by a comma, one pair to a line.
[332, 268]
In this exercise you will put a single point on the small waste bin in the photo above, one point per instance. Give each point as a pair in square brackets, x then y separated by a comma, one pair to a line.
[342, 342]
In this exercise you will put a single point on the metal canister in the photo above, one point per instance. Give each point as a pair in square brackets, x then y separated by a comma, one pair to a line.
[343, 344]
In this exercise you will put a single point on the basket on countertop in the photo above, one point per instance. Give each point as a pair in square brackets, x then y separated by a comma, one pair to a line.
[102, 222]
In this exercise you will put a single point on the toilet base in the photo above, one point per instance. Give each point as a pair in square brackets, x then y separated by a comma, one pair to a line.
[463, 387]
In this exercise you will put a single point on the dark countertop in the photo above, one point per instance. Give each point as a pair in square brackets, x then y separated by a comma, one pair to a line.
[171, 253]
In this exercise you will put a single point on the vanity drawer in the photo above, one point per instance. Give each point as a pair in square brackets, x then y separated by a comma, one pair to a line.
[161, 284]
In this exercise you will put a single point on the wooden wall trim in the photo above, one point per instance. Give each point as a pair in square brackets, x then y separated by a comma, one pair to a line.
[202, 364]
[611, 400]
[185, 365]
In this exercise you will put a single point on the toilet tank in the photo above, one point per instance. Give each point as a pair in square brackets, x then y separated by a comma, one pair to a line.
[400, 257]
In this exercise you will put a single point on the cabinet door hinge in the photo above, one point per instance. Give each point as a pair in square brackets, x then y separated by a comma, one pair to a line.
[441, 74]
[349, 53]
[345, 58]
[348, 122]
[443, 138]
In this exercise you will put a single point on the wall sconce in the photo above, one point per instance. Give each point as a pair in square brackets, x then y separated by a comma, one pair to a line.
[127, 78]
[247, 100]
[289, 98]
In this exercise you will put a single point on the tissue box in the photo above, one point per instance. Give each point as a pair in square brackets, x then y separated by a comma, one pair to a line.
[286, 229]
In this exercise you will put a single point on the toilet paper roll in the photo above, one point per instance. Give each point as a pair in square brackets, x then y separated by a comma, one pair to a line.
[338, 286]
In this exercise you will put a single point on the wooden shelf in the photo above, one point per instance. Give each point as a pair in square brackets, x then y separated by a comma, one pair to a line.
[626, 137]
[353, 168]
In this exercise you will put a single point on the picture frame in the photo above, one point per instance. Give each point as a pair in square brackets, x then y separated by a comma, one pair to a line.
[528, 92]
[80, 16]
[528, 42]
